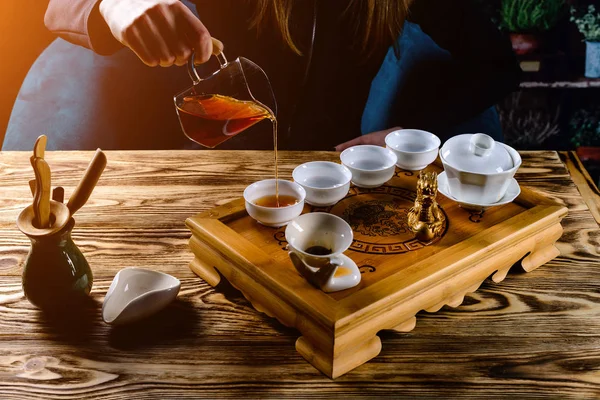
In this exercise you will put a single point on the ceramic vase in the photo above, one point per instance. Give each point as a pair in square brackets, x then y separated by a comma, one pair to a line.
[592, 60]
[56, 274]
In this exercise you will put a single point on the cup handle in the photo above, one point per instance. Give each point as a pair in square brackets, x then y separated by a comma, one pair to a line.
[217, 52]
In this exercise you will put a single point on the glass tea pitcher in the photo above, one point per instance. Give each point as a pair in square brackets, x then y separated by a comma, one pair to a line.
[230, 100]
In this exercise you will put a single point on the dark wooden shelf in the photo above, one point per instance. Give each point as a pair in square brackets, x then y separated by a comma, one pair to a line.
[583, 83]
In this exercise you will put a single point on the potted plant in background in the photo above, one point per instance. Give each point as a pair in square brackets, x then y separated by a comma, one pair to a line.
[589, 26]
[528, 20]
[585, 133]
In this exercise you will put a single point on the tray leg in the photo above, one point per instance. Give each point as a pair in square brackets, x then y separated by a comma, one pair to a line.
[336, 363]
[406, 326]
[257, 305]
[544, 250]
[205, 271]
[540, 257]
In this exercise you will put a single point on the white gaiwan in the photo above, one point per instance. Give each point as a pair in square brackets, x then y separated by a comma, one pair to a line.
[137, 293]
[479, 169]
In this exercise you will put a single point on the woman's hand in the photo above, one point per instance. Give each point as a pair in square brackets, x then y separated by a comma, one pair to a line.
[376, 138]
[160, 32]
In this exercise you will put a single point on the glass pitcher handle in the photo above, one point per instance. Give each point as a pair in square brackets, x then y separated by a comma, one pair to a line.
[219, 55]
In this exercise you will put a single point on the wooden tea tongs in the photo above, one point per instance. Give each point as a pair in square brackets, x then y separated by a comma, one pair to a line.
[42, 183]
[43, 217]
[39, 151]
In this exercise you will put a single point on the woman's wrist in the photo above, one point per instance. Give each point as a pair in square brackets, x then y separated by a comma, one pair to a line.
[101, 38]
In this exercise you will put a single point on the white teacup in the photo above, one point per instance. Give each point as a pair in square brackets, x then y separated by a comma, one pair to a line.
[332, 236]
[274, 216]
[371, 166]
[325, 182]
[414, 148]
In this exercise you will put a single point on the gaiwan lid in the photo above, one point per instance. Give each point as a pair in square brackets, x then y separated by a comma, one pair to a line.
[477, 153]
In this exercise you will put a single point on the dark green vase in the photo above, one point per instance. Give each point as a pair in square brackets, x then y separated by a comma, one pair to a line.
[56, 273]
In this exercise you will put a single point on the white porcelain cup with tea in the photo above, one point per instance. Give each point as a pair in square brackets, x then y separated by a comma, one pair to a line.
[274, 202]
[317, 242]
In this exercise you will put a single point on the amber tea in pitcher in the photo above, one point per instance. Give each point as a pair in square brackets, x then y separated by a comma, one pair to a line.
[230, 100]
[211, 119]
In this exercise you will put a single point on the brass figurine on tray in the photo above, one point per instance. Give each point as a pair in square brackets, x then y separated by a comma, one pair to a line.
[425, 218]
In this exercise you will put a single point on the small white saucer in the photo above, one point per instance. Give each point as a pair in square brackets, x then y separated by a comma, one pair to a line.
[512, 193]
[346, 281]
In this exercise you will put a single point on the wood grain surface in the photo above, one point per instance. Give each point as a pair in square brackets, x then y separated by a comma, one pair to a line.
[588, 189]
[531, 336]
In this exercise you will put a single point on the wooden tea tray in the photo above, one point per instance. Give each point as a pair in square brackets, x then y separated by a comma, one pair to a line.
[400, 275]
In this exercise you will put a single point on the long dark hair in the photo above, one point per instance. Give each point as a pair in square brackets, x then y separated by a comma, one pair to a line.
[379, 22]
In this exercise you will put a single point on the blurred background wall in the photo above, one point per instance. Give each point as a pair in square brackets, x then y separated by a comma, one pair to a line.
[23, 36]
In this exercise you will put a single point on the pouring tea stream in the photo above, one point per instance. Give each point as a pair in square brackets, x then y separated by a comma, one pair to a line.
[222, 105]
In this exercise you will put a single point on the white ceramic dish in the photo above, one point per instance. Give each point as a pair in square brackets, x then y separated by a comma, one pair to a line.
[479, 170]
[512, 193]
[325, 182]
[329, 231]
[271, 216]
[371, 166]
[137, 293]
[415, 149]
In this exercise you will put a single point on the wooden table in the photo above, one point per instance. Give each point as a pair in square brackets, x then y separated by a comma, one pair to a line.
[532, 335]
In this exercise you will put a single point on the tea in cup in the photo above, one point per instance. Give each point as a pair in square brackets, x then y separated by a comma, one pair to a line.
[316, 243]
[274, 202]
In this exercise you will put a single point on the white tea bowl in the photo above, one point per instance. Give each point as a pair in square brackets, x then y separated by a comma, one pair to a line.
[325, 182]
[331, 233]
[274, 216]
[371, 166]
[414, 148]
[479, 169]
[137, 293]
